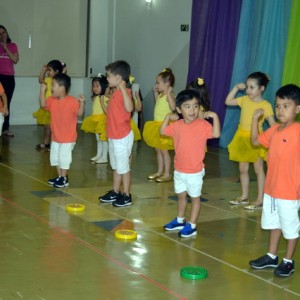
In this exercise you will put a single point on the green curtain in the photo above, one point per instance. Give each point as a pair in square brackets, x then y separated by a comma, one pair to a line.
[291, 65]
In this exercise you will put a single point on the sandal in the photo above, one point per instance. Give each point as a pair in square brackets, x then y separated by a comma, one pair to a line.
[42, 146]
[253, 206]
[239, 201]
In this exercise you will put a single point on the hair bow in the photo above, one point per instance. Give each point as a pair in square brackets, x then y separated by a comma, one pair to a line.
[200, 81]
[131, 79]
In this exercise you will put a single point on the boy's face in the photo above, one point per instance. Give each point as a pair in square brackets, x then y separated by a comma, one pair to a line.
[189, 110]
[113, 79]
[58, 91]
[286, 110]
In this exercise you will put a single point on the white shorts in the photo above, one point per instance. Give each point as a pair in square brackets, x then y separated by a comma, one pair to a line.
[61, 154]
[281, 214]
[120, 152]
[190, 183]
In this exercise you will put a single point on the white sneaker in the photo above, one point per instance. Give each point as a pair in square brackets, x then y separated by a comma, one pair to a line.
[94, 158]
[100, 161]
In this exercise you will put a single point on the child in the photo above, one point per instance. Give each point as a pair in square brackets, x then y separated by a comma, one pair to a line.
[64, 110]
[42, 116]
[119, 133]
[199, 86]
[190, 135]
[240, 149]
[96, 122]
[282, 187]
[164, 104]
[3, 107]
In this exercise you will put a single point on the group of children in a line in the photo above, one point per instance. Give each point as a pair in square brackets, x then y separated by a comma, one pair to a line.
[180, 123]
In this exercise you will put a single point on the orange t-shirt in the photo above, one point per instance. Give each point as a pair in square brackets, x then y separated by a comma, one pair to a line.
[189, 143]
[117, 118]
[283, 174]
[1, 101]
[63, 118]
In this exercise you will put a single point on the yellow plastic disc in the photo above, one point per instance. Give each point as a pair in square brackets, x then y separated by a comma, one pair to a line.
[126, 234]
[75, 207]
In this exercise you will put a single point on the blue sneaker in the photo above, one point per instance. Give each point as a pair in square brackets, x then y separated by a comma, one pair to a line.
[53, 180]
[174, 225]
[61, 182]
[187, 231]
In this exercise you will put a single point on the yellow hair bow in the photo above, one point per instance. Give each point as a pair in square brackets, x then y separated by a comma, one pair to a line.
[200, 81]
[131, 79]
[164, 70]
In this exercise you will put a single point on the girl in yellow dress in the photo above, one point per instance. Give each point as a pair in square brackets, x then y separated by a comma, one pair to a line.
[164, 104]
[43, 116]
[96, 122]
[240, 148]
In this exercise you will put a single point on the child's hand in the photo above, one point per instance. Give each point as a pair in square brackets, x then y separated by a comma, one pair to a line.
[209, 114]
[81, 98]
[258, 113]
[122, 84]
[170, 90]
[173, 117]
[241, 86]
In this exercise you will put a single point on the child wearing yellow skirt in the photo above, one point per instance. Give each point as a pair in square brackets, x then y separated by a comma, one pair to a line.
[164, 104]
[42, 116]
[96, 122]
[240, 148]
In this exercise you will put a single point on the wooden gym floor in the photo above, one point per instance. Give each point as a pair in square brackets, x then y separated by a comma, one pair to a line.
[47, 253]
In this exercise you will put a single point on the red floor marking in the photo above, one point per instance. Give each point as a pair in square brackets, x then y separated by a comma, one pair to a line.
[84, 243]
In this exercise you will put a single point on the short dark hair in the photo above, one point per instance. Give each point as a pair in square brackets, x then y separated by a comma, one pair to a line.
[290, 92]
[63, 80]
[186, 95]
[120, 67]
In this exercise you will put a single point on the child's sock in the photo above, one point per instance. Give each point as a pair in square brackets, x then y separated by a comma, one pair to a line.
[271, 255]
[180, 220]
[193, 225]
[287, 260]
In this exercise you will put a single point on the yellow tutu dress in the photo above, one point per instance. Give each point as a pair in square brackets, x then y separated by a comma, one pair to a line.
[136, 131]
[241, 149]
[42, 116]
[96, 122]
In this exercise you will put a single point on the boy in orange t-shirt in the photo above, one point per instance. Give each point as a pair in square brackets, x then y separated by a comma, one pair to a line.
[282, 187]
[119, 133]
[64, 111]
[190, 135]
[3, 107]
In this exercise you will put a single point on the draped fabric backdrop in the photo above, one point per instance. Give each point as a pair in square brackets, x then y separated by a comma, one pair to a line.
[232, 38]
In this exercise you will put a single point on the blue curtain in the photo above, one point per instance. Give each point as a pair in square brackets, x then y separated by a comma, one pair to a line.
[261, 47]
[214, 30]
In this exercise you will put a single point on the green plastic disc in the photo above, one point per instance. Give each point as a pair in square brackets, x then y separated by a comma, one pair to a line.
[193, 273]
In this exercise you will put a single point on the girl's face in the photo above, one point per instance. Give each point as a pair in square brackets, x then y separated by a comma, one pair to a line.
[160, 85]
[253, 90]
[96, 87]
[3, 35]
[51, 72]
[189, 110]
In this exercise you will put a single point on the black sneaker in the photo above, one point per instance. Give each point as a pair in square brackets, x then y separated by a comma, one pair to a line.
[122, 200]
[53, 180]
[111, 196]
[285, 269]
[61, 182]
[264, 262]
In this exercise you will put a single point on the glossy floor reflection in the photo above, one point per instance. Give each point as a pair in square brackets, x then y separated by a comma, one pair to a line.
[47, 253]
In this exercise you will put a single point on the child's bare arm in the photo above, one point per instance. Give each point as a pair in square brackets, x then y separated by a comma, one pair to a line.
[81, 100]
[138, 104]
[216, 132]
[254, 127]
[42, 95]
[230, 99]
[171, 99]
[128, 103]
[43, 74]
[103, 105]
[271, 120]
[169, 117]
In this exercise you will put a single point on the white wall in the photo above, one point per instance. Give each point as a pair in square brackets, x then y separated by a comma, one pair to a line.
[148, 38]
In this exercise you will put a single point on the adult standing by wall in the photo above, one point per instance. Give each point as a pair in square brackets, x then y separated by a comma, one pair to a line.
[8, 57]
